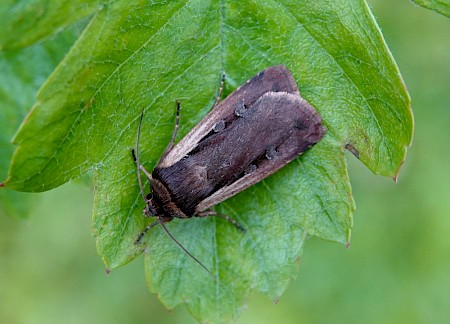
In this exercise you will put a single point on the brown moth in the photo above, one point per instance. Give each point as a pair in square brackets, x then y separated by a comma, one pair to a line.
[256, 130]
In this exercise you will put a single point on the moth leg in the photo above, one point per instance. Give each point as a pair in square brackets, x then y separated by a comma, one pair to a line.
[141, 167]
[219, 95]
[225, 217]
[141, 235]
[175, 131]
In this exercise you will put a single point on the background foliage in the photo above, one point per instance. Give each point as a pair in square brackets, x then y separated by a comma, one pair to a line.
[396, 269]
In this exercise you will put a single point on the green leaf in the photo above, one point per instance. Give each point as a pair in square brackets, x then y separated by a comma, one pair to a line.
[22, 73]
[134, 57]
[22, 24]
[440, 6]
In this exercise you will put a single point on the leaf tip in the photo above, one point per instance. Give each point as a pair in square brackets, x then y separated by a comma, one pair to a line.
[395, 177]
[347, 245]
[2, 184]
[107, 271]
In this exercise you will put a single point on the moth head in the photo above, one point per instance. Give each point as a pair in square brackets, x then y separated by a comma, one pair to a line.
[150, 206]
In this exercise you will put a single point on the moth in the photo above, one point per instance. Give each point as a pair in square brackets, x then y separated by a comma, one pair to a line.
[253, 132]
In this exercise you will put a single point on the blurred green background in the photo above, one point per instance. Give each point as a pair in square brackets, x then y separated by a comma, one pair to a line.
[397, 269]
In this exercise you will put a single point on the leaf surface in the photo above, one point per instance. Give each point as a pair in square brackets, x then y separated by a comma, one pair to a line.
[23, 23]
[22, 73]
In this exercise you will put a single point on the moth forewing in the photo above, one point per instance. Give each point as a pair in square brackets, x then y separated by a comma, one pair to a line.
[306, 130]
[273, 79]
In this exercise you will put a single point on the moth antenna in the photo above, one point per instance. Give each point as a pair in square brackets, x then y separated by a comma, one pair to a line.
[138, 240]
[137, 156]
[184, 249]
